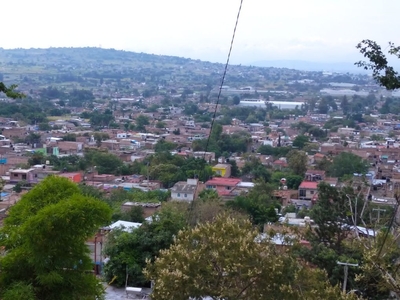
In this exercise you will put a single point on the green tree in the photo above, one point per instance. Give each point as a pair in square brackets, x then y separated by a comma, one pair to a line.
[323, 106]
[163, 145]
[106, 163]
[224, 259]
[293, 181]
[254, 168]
[135, 214]
[300, 141]
[44, 241]
[347, 163]
[176, 131]
[234, 168]
[380, 268]
[160, 124]
[69, 137]
[297, 162]
[141, 121]
[128, 251]
[344, 105]
[36, 158]
[99, 137]
[258, 204]
[331, 214]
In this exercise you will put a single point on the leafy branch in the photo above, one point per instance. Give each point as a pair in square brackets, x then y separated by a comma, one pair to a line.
[378, 63]
[10, 91]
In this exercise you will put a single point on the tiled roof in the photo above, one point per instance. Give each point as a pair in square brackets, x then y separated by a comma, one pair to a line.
[223, 181]
[309, 185]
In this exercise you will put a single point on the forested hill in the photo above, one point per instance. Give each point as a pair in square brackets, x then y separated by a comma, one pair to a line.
[77, 56]
[87, 67]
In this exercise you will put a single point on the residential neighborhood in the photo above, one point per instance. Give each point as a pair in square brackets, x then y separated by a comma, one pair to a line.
[293, 158]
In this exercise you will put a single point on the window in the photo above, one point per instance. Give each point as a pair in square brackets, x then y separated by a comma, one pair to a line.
[15, 175]
[185, 195]
[302, 193]
[179, 195]
[228, 187]
[24, 176]
[312, 192]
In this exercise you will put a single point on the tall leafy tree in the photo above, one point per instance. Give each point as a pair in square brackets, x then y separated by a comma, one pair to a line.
[224, 259]
[297, 161]
[44, 241]
[347, 163]
[300, 141]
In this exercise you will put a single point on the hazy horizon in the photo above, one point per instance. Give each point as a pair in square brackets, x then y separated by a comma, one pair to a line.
[310, 30]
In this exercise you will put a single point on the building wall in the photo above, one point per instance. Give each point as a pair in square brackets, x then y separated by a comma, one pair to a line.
[182, 197]
[309, 193]
[14, 132]
[17, 177]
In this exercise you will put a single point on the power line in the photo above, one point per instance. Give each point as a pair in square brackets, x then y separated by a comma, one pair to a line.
[219, 95]
[390, 226]
[223, 76]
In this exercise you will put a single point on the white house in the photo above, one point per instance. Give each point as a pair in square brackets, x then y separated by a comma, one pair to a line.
[122, 135]
[184, 190]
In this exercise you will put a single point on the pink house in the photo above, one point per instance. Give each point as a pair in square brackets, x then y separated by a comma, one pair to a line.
[223, 186]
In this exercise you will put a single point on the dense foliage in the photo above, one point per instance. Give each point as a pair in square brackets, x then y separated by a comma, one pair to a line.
[226, 259]
[44, 241]
[128, 251]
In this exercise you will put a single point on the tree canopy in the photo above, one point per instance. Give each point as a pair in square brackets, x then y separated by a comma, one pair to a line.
[44, 241]
[128, 251]
[226, 259]
[347, 163]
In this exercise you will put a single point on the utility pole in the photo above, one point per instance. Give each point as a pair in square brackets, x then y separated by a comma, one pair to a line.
[379, 212]
[346, 272]
[148, 167]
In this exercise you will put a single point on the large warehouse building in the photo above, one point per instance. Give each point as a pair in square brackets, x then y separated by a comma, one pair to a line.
[263, 104]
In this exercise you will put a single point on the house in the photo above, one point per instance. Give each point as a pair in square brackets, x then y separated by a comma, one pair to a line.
[18, 175]
[314, 175]
[74, 177]
[308, 190]
[14, 132]
[223, 186]
[207, 156]
[185, 190]
[280, 164]
[223, 170]
[69, 147]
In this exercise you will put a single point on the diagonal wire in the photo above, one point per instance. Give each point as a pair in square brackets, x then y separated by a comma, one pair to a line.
[223, 76]
[219, 95]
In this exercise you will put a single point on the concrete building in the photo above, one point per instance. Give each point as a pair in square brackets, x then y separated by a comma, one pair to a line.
[185, 190]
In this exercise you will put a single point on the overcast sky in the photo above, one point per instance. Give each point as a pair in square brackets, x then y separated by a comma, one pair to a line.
[312, 30]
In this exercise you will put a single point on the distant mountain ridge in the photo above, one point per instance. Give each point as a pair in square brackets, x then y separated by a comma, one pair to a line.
[92, 53]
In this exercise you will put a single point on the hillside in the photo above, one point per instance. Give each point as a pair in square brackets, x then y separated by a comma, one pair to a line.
[91, 67]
